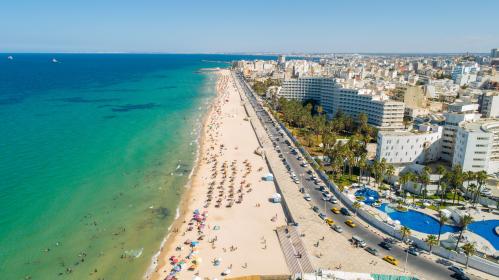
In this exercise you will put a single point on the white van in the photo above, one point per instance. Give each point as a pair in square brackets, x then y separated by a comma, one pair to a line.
[359, 241]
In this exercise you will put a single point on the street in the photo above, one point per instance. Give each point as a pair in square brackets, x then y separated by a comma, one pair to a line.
[416, 264]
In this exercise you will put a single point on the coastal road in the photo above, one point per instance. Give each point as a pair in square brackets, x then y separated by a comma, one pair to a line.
[417, 264]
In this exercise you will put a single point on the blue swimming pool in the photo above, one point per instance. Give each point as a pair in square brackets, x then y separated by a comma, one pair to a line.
[370, 195]
[427, 224]
[486, 229]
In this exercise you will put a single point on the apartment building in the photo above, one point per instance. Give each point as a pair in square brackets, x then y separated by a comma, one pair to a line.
[489, 104]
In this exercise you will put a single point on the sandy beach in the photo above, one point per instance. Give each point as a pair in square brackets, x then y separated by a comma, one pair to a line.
[226, 222]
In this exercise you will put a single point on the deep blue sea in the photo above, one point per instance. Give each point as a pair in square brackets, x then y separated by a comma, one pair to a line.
[94, 153]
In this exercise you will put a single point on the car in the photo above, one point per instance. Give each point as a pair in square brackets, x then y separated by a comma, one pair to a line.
[456, 269]
[373, 251]
[390, 240]
[296, 181]
[386, 245]
[299, 158]
[322, 188]
[309, 172]
[333, 200]
[337, 228]
[307, 197]
[322, 216]
[304, 165]
[358, 241]
[443, 261]
[350, 223]
[302, 190]
[460, 276]
[391, 260]
[316, 209]
[329, 221]
[335, 210]
[413, 251]
[344, 211]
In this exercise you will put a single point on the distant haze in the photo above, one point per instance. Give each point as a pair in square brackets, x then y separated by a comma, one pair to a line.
[249, 26]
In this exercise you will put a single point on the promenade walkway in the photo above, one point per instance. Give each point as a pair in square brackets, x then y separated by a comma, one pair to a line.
[294, 251]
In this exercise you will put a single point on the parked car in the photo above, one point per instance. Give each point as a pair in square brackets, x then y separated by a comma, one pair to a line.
[307, 197]
[316, 209]
[329, 221]
[322, 216]
[460, 276]
[413, 251]
[337, 228]
[358, 241]
[456, 269]
[333, 200]
[373, 251]
[386, 246]
[443, 261]
[344, 211]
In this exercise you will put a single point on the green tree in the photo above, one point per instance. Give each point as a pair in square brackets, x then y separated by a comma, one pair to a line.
[440, 171]
[463, 224]
[443, 219]
[431, 240]
[405, 231]
[469, 249]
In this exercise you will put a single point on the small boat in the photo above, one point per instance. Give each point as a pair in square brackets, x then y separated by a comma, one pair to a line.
[54, 60]
[10, 57]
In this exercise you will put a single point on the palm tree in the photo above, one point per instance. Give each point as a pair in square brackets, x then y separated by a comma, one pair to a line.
[440, 171]
[356, 205]
[404, 179]
[405, 232]
[443, 189]
[469, 249]
[390, 170]
[463, 224]
[431, 240]
[481, 178]
[424, 179]
[457, 181]
[362, 166]
[443, 219]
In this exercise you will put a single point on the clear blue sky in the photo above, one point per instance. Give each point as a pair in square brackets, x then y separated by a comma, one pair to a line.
[189, 26]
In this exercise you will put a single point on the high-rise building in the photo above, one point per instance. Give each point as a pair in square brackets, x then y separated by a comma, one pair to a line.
[477, 146]
[489, 104]
[494, 53]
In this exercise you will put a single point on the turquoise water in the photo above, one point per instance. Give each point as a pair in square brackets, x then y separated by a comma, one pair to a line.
[426, 224]
[94, 153]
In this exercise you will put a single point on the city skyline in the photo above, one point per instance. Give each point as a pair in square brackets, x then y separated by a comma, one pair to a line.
[226, 27]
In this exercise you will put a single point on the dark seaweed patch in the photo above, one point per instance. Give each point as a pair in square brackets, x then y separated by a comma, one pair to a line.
[85, 100]
[10, 101]
[131, 107]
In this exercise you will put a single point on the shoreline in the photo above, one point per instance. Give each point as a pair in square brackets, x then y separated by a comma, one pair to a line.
[181, 211]
[240, 227]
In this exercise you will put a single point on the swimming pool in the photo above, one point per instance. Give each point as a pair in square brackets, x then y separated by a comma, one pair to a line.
[370, 195]
[427, 224]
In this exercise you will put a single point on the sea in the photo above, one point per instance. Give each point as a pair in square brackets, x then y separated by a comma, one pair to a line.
[95, 153]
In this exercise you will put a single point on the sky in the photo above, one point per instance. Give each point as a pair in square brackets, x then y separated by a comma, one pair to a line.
[233, 26]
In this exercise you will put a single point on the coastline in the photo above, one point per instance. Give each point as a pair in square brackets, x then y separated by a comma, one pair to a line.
[234, 237]
[181, 211]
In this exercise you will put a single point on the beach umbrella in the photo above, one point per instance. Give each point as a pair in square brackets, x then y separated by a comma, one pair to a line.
[197, 278]
[194, 243]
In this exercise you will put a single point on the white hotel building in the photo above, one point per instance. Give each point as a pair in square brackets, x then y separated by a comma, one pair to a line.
[477, 146]
[404, 147]
[382, 112]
